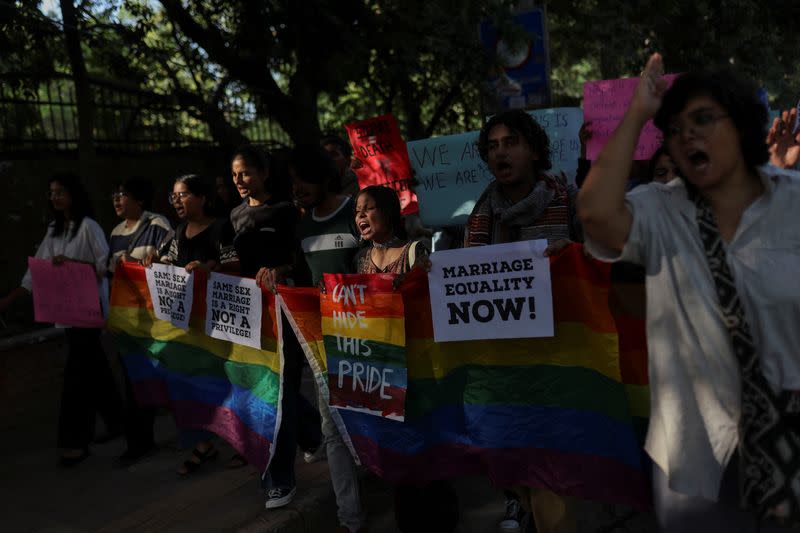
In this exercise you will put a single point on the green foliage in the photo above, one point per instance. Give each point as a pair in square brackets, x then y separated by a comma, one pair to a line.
[315, 65]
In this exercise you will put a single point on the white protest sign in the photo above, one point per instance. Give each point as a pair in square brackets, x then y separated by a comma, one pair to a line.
[171, 290]
[233, 310]
[491, 292]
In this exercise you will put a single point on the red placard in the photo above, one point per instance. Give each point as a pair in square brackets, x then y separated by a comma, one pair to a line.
[380, 148]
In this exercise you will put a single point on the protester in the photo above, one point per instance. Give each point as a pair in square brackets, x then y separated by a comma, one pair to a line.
[382, 227]
[264, 223]
[204, 242]
[719, 246]
[89, 387]
[524, 203]
[342, 155]
[432, 506]
[783, 140]
[662, 168]
[329, 238]
[139, 234]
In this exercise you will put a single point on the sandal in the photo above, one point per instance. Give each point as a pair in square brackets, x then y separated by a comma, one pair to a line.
[237, 461]
[190, 465]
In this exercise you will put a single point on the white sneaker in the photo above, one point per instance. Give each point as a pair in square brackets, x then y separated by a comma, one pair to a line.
[279, 496]
[317, 455]
[512, 521]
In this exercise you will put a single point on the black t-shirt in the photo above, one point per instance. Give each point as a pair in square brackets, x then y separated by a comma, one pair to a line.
[264, 235]
[213, 243]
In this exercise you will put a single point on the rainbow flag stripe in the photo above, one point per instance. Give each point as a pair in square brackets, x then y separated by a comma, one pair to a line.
[228, 389]
[558, 413]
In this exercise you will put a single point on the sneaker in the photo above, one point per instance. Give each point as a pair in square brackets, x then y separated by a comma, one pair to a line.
[314, 456]
[514, 517]
[279, 496]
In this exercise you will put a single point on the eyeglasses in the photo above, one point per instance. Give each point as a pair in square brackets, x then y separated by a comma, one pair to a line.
[118, 195]
[701, 124]
[174, 196]
[54, 194]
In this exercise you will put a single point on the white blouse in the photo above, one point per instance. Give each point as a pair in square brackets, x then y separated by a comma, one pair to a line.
[88, 244]
[695, 387]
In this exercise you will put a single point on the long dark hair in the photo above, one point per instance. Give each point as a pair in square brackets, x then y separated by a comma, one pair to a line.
[80, 207]
[199, 186]
[386, 202]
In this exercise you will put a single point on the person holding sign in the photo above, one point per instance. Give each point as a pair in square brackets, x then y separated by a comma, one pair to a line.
[434, 506]
[524, 203]
[89, 385]
[720, 248]
[380, 224]
[265, 225]
[329, 238]
[139, 234]
[204, 242]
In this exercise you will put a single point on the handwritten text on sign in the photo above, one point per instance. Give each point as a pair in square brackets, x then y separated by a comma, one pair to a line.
[452, 175]
[233, 309]
[65, 294]
[604, 104]
[491, 292]
[363, 327]
[171, 290]
[380, 149]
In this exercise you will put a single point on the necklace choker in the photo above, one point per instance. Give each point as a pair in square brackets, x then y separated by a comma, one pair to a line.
[387, 244]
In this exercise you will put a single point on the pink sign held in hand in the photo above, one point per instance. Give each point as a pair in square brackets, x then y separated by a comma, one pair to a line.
[604, 104]
[65, 294]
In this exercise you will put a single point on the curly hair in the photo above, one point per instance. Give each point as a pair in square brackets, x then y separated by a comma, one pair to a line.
[738, 96]
[525, 125]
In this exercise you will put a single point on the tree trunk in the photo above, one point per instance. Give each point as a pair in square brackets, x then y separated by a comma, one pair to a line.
[83, 91]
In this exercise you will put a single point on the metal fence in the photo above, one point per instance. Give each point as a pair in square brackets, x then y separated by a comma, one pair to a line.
[130, 120]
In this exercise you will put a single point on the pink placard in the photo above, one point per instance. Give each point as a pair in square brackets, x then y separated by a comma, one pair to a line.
[65, 294]
[604, 104]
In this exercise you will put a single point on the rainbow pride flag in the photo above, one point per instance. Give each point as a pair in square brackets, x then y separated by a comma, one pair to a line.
[228, 389]
[561, 413]
[363, 326]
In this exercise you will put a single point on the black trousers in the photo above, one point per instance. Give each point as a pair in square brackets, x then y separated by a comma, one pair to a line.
[138, 421]
[89, 388]
[299, 420]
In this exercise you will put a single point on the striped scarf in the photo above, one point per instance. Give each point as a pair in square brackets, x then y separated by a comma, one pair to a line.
[548, 212]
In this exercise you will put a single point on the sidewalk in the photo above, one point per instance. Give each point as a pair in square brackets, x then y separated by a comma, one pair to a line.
[40, 497]
[149, 496]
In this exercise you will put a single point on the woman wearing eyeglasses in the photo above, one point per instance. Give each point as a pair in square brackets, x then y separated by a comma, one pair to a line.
[201, 241]
[141, 232]
[89, 387]
[721, 251]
